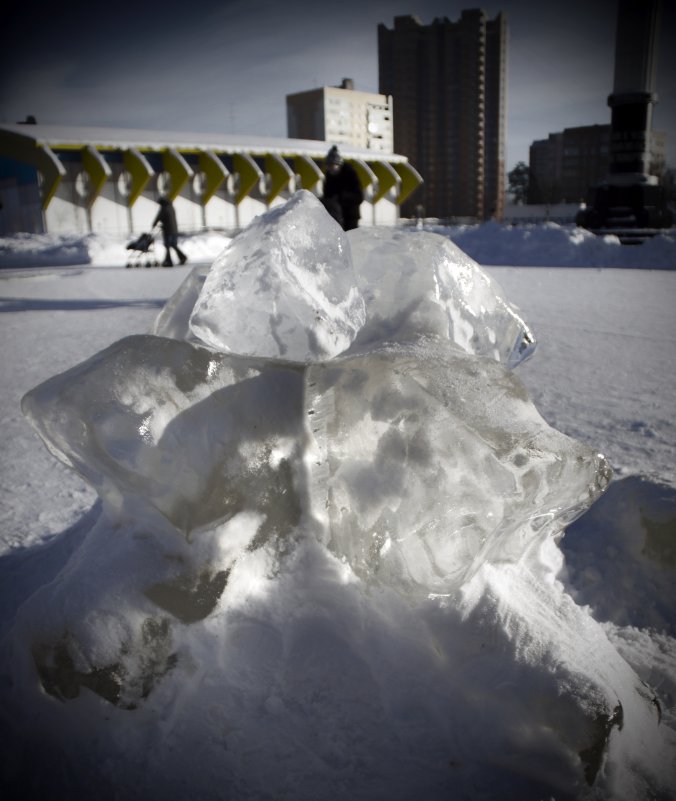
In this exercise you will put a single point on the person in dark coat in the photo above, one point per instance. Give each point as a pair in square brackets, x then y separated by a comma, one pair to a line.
[166, 217]
[343, 194]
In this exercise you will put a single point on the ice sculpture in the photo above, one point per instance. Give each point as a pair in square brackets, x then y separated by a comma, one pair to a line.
[320, 473]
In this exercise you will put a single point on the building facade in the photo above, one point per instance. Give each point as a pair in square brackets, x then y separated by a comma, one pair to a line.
[343, 116]
[563, 167]
[448, 85]
[61, 179]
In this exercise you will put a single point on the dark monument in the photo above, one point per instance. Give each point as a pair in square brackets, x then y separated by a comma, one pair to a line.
[630, 203]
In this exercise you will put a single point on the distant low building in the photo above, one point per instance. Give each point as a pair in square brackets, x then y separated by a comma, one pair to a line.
[341, 115]
[62, 179]
[545, 161]
[537, 213]
[564, 166]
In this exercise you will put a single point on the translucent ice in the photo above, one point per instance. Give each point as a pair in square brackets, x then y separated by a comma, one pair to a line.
[294, 286]
[284, 287]
[180, 429]
[422, 283]
[174, 319]
[381, 440]
[434, 462]
[327, 552]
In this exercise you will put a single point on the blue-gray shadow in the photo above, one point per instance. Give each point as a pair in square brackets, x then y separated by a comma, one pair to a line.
[63, 304]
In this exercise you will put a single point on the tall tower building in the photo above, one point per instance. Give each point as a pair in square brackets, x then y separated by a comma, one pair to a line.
[448, 84]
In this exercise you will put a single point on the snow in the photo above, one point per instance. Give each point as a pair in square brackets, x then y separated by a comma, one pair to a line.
[323, 654]
[559, 246]
[491, 243]
[57, 250]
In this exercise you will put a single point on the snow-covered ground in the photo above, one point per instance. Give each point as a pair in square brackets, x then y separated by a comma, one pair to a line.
[388, 701]
[492, 243]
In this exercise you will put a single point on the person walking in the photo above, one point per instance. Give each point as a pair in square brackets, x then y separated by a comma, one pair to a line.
[343, 194]
[166, 217]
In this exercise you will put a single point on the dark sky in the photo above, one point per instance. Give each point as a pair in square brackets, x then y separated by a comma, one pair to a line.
[227, 65]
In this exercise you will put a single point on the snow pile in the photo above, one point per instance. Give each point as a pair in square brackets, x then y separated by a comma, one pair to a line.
[554, 245]
[326, 577]
[620, 560]
[53, 250]
[625, 547]
[101, 250]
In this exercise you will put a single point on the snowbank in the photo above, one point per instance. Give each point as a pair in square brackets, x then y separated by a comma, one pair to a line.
[553, 245]
[99, 250]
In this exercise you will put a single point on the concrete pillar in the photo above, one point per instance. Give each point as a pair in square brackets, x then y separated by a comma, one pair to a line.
[630, 203]
[634, 93]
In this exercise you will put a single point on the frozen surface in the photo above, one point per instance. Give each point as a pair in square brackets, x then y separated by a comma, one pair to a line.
[606, 371]
[337, 579]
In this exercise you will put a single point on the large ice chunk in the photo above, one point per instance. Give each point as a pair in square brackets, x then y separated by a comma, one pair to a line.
[174, 319]
[294, 286]
[421, 283]
[284, 287]
[195, 435]
[396, 432]
[434, 462]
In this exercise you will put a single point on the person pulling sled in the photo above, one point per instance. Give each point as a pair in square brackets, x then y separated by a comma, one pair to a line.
[166, 217]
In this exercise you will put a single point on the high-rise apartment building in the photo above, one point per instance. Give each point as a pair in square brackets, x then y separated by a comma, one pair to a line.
[448, 84]
[341, 115]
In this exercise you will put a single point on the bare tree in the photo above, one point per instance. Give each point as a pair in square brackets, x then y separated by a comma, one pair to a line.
[517, 182]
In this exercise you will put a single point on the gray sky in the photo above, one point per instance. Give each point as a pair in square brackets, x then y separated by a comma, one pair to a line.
[227, 65]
